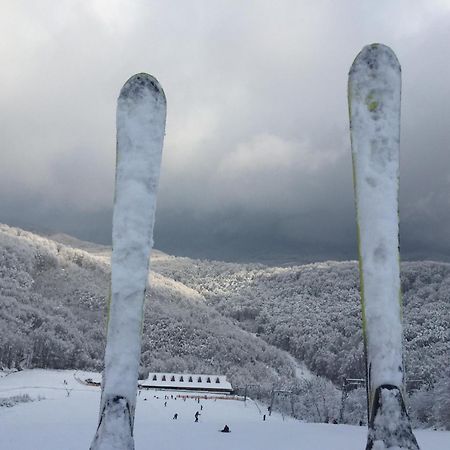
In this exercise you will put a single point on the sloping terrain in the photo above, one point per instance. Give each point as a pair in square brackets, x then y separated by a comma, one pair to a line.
[313, 311]
[245, 321]
[64, 416]
[53, 315]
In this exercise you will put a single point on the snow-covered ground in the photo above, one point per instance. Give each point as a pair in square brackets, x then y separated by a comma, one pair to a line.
[66, 419]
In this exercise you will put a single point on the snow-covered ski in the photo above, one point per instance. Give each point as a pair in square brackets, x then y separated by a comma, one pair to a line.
[374, 105]
[141, 118]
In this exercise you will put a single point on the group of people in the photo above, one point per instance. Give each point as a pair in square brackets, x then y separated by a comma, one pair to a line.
[196, 415]
[225, 429]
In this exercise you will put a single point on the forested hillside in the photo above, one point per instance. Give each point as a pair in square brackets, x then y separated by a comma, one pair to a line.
[313, 311]
[53, 313]
[236, 319]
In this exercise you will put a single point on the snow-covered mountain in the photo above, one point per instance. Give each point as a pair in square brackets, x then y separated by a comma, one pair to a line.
[313, 311]
[54, 311]
[246, 321]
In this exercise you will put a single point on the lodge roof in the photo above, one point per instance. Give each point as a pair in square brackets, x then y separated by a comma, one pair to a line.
[188, 381]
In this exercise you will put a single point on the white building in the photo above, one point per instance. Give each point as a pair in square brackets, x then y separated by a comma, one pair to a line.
[187, 382]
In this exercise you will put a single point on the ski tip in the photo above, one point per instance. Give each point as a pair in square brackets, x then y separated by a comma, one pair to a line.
[138, 84]
[373, 57]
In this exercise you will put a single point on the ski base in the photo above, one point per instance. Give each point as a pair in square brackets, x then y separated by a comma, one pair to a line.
[389, 426]
[115, 430]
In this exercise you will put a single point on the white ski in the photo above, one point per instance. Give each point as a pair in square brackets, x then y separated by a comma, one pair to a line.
[141, 117]
[374, 104]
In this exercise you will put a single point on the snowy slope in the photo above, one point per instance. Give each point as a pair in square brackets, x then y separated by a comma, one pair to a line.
[68, 422]
[61, 291]
[53, 313]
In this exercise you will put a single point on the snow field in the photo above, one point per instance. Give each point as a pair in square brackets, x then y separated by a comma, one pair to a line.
[61, 422]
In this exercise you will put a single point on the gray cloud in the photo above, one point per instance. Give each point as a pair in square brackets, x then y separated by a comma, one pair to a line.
[257, 159]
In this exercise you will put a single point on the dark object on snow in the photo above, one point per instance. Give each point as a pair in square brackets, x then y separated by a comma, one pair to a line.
[335, 421]
[226, 429]
[175, 416]
[196, 416]
[264, 417]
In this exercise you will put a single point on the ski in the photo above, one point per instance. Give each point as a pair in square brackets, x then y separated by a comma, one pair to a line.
[374, 88]
[141, 117]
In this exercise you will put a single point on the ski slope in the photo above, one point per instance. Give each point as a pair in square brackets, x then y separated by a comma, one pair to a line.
[67, 418]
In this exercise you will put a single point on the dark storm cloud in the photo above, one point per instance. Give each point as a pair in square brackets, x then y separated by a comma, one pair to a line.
[257, 159]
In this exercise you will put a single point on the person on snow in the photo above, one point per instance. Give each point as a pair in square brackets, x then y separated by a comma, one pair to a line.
[226, 429]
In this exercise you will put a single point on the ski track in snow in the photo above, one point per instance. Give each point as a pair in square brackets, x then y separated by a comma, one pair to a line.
[61, 422]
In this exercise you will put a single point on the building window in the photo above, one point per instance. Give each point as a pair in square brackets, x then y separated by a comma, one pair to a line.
[190, 380]
[172, 378]
[208, 380]
[217, 380]
[199, 379]
[155, 378]
[181, 378]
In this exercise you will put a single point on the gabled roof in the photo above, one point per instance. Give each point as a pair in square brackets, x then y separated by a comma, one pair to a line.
[188, 381]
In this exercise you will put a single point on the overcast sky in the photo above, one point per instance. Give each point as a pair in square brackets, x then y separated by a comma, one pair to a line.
[257, 162]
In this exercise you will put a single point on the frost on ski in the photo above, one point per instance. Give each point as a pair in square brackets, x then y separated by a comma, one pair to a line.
[141, 114]
[374, 100]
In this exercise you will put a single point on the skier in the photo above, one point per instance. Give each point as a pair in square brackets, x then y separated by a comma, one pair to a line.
[226, 429]
[175, 416]
[196, 416]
